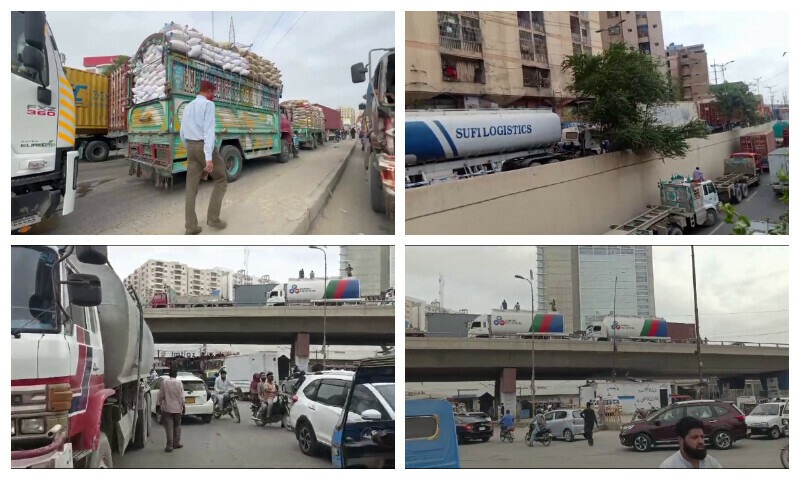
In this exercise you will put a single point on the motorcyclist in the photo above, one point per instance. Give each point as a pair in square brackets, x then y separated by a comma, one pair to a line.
[506, 422]
[539, 424]
[267, 392]
[222, 386]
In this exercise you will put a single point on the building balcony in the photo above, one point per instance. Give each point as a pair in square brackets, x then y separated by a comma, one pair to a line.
[576, 37]
[586, 41]
[462, 47]
[538, 27]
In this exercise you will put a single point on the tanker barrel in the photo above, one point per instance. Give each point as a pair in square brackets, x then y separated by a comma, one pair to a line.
[411, 159]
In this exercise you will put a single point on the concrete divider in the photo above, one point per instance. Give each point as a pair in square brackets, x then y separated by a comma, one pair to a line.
[322, 194]
[580, 196]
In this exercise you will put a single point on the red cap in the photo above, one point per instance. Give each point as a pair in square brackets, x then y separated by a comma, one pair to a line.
[206, 86]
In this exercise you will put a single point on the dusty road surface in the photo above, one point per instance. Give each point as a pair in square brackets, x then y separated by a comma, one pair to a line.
[223, 444]
[607, 452]
[348, 211]
[269, 198]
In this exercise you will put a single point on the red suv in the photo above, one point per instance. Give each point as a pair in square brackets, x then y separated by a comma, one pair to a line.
[723, 424]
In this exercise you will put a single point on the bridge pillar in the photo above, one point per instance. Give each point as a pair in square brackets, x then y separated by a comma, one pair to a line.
[508, 390]
[301, 351]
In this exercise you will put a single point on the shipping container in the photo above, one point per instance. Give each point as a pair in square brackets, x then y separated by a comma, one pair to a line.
[119, 83]
[252, 295]
[333, 119]
[91, 101]
[680, 332]
[759, 143]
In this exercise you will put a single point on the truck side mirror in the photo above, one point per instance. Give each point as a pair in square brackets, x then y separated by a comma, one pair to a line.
[358, 72]
[33, 58]
[92, 254]
[34, 30]
[84, 290]
[362, 106]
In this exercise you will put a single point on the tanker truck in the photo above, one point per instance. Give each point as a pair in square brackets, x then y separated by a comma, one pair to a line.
[80, 355]
[517, 323]
[447, 145]
[649, 329]
[314, 292]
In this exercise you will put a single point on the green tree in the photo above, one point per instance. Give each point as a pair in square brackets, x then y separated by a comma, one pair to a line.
[736, 102]
[118, 63]
[741, 224]
[623, 89]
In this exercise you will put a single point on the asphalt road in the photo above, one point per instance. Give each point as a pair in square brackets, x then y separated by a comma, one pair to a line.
[269, 198]
[223, 444]
[348, 211]
[761, 204]
[607, 452]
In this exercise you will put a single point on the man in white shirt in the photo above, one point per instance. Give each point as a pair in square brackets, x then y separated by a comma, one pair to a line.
[222, 385]
[692, 453]
[198, 135]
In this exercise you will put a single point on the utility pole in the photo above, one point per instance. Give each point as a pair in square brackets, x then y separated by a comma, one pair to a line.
[714, 66]
[697, 330]
[722, 69]
[771, 99]
[614, 338]
[758, 85]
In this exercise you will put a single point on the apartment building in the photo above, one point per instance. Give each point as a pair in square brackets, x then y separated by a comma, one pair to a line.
[640, 30]
[156, 276]
[688, 71]
[494, 59]
[348, 115]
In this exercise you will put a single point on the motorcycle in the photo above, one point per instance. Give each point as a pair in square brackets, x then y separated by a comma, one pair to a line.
[785, 456]
[545, 436]
[279, 413]
[507, 434]
[230, 406]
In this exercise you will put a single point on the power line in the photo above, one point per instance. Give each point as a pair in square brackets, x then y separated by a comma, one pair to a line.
[287, 32]
[269, 34]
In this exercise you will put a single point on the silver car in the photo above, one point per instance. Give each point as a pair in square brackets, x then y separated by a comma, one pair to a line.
[565, 423]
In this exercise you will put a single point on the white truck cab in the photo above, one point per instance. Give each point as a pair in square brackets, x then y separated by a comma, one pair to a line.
[479, 328]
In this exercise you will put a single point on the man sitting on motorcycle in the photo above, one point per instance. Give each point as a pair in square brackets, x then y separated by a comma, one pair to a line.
[222, 386]
[506, 422]
[267, 392]
[538, 424]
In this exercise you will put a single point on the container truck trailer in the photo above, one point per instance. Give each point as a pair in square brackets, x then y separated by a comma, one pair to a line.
[171, 299]
[446, 145]
[739, 173]
[101, 112]
[240, 368]
[80, 357]
[760, 144]
[623, 327]
[518, 323]
[44, 163]
[315, 292]
[166, 79]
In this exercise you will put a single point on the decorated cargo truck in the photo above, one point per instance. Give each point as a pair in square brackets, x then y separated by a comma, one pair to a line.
[166, 74]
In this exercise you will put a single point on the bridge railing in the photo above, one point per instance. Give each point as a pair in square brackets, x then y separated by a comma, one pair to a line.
[363, 305]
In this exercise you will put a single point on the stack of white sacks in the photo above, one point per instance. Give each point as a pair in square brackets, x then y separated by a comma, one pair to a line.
[305, 114]
[150, 75]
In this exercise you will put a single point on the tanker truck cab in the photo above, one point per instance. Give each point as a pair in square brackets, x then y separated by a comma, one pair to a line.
[76, 386]
[277, 297]
[43, 159]
[479, 329]
[596, 331]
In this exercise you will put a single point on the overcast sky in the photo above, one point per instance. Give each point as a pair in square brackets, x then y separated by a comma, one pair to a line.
[279, 263]
[755, 41]
[313, 50]
[743, 292]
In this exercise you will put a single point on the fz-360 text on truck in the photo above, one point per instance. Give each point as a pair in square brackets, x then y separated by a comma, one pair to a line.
[44, 164]
[80, 352]
[378, 123]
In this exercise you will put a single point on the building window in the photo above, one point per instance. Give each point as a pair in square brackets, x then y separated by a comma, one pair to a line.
[644, 48]
[642, 30]
[456, 69]
[615, 30]
[535, 77]
[459, 32]
[612, 14]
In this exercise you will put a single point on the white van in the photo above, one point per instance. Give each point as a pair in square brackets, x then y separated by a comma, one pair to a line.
[767, 419]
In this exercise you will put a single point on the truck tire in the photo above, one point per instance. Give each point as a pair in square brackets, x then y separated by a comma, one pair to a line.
[674, 230]
[142, 425]
[375, 185]
[737, 195]
[745, 190]
[285, 149]
[96, 151]
[233, 160]
[101, 458]
[711, 218]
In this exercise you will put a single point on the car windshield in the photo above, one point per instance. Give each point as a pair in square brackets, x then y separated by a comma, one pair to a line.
[33, 306]
[655, 414]
[767, 409]
[387, 392]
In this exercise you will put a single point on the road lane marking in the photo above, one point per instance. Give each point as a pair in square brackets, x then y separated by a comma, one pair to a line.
[723, 222]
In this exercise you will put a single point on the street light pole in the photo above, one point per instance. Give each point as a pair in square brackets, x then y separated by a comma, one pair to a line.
[533, 346]
[324, 307]
[614, 336]
[697, 328]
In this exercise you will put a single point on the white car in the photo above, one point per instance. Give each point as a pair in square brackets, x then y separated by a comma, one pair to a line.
[767, 419]
[196, 396]
[319, 400]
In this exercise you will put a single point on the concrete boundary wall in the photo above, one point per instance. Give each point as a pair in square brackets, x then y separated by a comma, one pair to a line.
[580, 196]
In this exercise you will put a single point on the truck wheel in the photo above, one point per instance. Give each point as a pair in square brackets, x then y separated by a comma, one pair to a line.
[232, 159]
[97, 151]
[285, 148]
[375, 185]
[745, 190]
[101, 458]
[674, 230]
[142, 425]
[711, 217]
[737, 195]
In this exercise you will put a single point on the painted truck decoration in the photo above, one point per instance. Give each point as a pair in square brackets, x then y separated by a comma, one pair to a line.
[505, 323]
[339, 291]
[628, 328]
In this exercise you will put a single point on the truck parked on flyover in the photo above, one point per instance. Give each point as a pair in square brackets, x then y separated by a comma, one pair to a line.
[518, 323]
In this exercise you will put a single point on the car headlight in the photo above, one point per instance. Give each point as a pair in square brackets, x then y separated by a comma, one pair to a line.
[626, 428]
[31, 425]
[13, 428]
[786, 421]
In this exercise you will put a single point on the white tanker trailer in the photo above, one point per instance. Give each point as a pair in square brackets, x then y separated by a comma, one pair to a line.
[443, 145]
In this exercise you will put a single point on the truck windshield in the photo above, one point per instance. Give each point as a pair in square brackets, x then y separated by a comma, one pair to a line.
[17, 46]
[476, 325]
[33, 307]
[767, 409]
